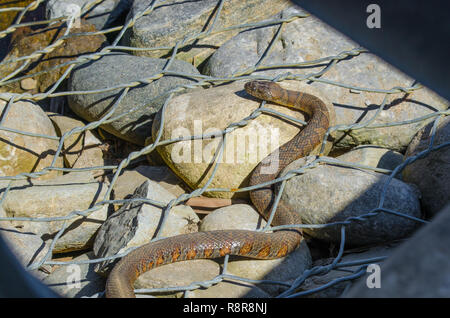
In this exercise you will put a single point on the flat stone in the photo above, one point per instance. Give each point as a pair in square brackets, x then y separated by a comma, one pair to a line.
[129, 180]
[431, 173]
[212, 110]
[57, 197]
[20, 153]
[142, 102]
[330, 193]
[418, 268]
[175, 20]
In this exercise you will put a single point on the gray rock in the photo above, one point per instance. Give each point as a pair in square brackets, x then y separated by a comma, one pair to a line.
[101, 15]
[130, 180]
[308, 39]
[135, 224]
[418, 268]
[76, 191]
[27, 247]
[431, 173]
[335, 290]
[142, 102]
[373, 156]
[174, 21]
[329, 193]
[76, 280]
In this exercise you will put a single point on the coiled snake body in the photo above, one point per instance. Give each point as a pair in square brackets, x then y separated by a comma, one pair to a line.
[251, 244]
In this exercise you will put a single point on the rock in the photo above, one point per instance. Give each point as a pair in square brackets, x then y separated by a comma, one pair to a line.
[418, 268]
[26, 42]
[173, 22]
[308, 39]
[178, 274]
[142, 102]
[245, 49]
[336, 290]
[135, 224]
[27, 247]
[329, 193]
[80, 150]
[210, 111]
[101, 15]
[229, 289]
[374, 156]
[76, 280]
[74, 191]
[20, 153]
[431, 173]
[129, 180]
[8, 17]
[282, 269]
[238, 216]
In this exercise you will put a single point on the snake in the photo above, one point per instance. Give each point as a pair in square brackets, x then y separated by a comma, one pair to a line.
[251, 244]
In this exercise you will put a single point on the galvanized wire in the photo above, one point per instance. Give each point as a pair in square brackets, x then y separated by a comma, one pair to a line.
[200, 81]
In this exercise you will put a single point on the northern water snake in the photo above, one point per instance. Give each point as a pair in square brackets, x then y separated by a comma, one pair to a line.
[259, 245]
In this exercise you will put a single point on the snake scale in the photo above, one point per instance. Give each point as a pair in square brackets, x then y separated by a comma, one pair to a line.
[259, 245]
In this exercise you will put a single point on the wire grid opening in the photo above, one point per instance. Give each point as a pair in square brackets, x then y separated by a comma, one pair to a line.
[201, 81]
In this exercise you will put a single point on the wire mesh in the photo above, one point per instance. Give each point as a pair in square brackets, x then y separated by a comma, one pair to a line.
[200, 81]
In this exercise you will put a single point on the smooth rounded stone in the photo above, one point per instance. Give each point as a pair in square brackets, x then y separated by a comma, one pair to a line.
[101, 15]
[244, 217]
[330, 193]
[431, 173]
[76, 280]
[418, 267]
[229, 289]
[135, 223]
[373, 156]
[370, 255]
[209, 112]
[308, 39]
[129, 180]
[141, 102]
[175, 20]
[80, 150]
[76, 191]
[20, 153]
[237, 216]
[26, 41]
[178, 274]
[27, 247]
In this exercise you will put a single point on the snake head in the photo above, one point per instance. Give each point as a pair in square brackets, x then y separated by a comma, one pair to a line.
[262, 89]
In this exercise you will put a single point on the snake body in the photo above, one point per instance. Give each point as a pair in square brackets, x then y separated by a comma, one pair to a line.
[259, 245]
